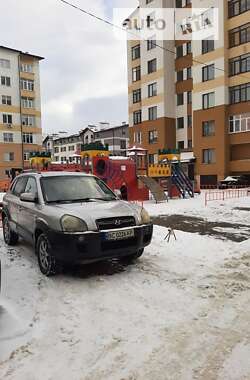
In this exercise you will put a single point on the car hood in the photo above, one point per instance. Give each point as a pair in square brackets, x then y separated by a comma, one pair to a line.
[90, 211]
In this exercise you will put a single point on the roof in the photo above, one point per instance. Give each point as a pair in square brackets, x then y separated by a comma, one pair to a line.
[21, 52]
[110, 128]
[56, 174]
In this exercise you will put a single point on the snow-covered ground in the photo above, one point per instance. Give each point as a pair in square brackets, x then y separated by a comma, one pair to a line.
[180, 313]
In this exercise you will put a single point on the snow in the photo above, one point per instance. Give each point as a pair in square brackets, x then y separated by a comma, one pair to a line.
[223, 211]
[181, 312]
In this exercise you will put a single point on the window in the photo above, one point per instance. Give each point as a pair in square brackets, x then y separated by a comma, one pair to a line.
[26, 156]
[208, 100]
[6, 100]
[137, 117]
[237, 7]
[8, 156]
[136, 73]
[189, 47]
[123, 144]
[153, 137]
[208, 73]
[207, 46]
[7, 119]
[151, 43]
[56, 149]
[19, 186]
[189, 97]
[180, 145]
[208, 156]
[152, 113]
[26, 68]
[180, 122]
[179, 51]
[180, 76]
[8, 137]
[189, 121]
[189, 73]
[178, 4]
[71, 148]
[239, 36]
[208, 128]
[31, 186]
[63, 149]
[180, 99]
[27, 85]
[5, 81]
[152, 66]
[136, 52]
[28, 120]
[28, 138]
[4, 63]
[239, 64]
[138, 137]
[137, 96]
[239, 123]
[152, 89]
[239, 94]
[153, 159]
[28, 103]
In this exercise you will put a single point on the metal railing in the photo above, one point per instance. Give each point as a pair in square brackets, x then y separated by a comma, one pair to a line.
[222, 195]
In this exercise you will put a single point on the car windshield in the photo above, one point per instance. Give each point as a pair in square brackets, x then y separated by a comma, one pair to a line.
[75, 189]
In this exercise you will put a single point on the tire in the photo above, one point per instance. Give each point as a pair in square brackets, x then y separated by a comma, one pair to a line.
[48, 264]
[10, 237]
[134, 256]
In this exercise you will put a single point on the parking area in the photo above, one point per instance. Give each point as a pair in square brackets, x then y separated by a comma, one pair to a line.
[181, 312]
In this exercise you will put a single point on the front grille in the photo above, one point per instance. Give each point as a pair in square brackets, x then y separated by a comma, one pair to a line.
[114, 223]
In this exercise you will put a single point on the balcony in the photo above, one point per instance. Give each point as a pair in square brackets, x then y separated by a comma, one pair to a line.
[25, 75]
[28, 94]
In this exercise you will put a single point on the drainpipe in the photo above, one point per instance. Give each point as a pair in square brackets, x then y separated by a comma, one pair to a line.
[20, 106]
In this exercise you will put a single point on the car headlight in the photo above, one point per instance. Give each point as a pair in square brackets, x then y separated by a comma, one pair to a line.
[73, 224]
[145, 218]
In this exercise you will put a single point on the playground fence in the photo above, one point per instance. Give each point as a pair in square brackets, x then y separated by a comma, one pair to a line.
[222, 195]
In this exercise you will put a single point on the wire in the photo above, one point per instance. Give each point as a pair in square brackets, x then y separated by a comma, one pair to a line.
[65, 2]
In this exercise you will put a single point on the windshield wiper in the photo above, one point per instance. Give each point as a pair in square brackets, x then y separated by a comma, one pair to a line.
[92, 199]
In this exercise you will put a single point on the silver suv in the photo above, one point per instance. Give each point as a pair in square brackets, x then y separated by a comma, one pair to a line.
[73, 218]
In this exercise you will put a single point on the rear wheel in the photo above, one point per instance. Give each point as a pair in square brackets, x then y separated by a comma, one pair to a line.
[10, 237]
[48, 264]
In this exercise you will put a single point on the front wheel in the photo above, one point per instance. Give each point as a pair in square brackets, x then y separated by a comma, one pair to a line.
[10, 237]
[46, 260]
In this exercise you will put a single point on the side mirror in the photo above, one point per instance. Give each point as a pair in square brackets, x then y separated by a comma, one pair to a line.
[28, 197]
[118, 193]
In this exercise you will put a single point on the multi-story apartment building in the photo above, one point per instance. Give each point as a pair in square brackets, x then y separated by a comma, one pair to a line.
[68, 148]
[65, 149]
[197, 99]
[116, 138]
[151, 86]
[20, 108]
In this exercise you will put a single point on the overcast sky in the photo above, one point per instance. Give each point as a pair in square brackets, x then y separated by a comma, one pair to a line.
[84, 74]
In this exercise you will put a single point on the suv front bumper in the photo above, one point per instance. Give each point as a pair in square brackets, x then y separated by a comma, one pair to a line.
[90, 246]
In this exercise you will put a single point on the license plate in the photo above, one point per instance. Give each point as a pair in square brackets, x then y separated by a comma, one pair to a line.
[119, 235]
